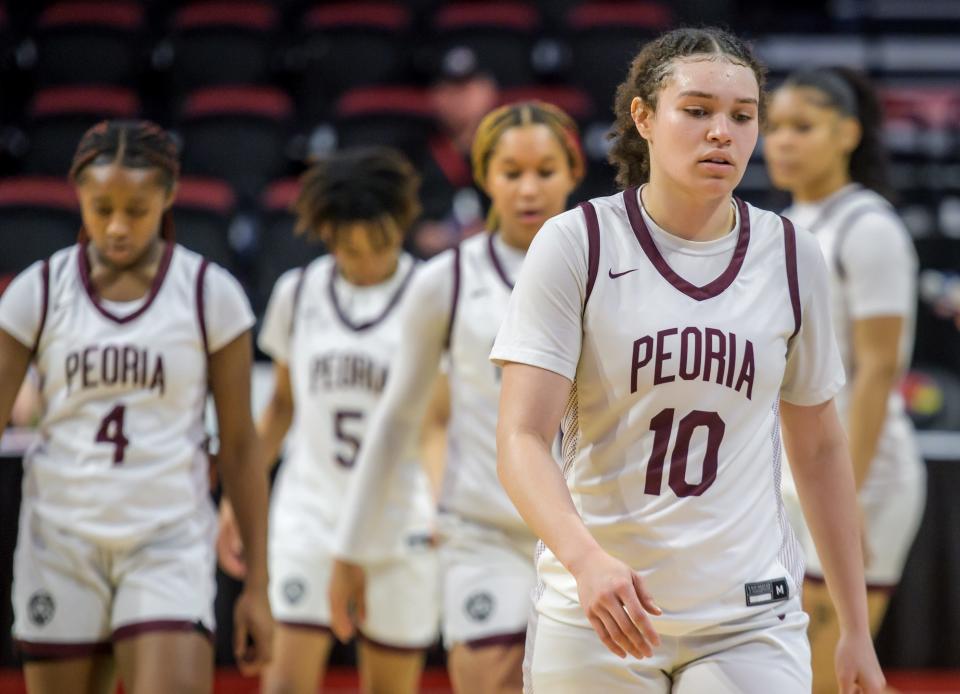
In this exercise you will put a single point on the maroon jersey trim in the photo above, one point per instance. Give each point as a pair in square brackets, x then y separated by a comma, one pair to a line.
[497, 265]
[455, 299]
[790, 252]
[92, 292]
[201, 304]
[707, 291]
[359, 327]
[45, 275]
[593, 246]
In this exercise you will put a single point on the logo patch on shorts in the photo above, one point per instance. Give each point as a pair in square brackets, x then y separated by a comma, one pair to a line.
[294, 589]
[41, 608]
[764, 592]
[479, 606]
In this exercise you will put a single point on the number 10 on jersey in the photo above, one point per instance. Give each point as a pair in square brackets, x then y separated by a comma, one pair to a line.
[662, 426]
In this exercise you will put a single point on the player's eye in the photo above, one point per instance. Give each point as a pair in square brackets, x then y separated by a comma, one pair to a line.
[547, 173]
[696, 111]
[512, 175]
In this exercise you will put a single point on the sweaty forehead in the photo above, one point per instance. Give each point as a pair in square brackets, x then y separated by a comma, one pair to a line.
[116, 179]
[712, 75]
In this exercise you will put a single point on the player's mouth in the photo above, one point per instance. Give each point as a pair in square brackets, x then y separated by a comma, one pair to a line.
[718, 162]
[531, 216]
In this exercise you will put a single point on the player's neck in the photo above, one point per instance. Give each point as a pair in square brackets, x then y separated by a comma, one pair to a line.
[686, 216]
[822, 187]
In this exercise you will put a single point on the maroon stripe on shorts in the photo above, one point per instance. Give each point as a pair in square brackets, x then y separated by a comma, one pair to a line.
[390, 647]
[323, 628]
[201, 313]
[455, 299]
[31, 650]
[45, 275]
[790, 251]
[499, 640]
[140, 628]
[593, 246]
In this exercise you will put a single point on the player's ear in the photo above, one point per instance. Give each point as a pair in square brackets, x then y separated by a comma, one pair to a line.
[170, 196]
[850, 134]
[642, 114]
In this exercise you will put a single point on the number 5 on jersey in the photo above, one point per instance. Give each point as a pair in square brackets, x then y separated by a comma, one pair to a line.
[351, 442]
[111, 431]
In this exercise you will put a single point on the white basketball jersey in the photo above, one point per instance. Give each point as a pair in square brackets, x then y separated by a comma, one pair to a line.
[671, 444]
[869, 281]
[121, 445]
[471, 488]
[338, 369]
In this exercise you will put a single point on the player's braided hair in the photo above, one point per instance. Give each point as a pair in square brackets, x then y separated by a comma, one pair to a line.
[376, 186]
[501, 119]
[848, 92]
[648, 72]
[130, 143]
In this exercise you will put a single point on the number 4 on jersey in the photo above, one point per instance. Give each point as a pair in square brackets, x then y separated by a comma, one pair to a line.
[111, 431]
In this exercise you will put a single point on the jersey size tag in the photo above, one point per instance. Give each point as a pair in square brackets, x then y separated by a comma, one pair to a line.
[763, 592]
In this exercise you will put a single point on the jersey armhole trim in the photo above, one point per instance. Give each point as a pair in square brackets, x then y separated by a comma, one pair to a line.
[593, 247]
[45, 292]
[790, 253]
[455, 297]
[297, 291]
[201, 305]
[842, 233]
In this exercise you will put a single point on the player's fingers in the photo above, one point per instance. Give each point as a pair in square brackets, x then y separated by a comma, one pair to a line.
[340, 622]
[240, 639]
[615, 630]
[360, 604]
[645, 598]
[604, 635]
[633, 641]
[642, 617]
[638, 619]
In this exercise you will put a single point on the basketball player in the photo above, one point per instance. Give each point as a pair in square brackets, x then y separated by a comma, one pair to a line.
[823, 145]
[666, 325]
[331, 329]
[527, 158]
[115, 557]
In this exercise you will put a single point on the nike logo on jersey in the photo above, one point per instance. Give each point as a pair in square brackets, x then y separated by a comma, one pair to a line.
[615, 275]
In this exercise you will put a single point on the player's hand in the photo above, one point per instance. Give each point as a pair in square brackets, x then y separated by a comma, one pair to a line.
[617, 604]
[347, 599]
[858, 671]
[229, 543]
[252, 631]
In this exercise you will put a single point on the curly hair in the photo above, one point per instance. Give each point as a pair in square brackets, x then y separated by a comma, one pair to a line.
[137, 144]
[375, 186]
[648, 72]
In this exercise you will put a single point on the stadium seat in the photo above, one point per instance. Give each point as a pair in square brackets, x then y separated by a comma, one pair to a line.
[574, 100]
[604, 37]
[280, 249]
[202, 214]
[238, 134]
[90, 42]
[220, 43]
[38, 216]
[501, 35]
[370, 38]
[60, 115]
[399, 117]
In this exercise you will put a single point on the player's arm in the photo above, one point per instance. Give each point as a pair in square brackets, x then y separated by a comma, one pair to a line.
[876, 349]
[433, 434]
[245, 482]
[14, 361]
[392, 434]
[612, 595]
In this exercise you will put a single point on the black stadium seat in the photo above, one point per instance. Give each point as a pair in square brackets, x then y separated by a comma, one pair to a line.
[604, 37]
[344, 45]
[90, 42]
[202, 214]
[399, 117]
[60, 115]
[38, 216]
[501, 35]
[239, 134]
[218, 43]
[280, 249]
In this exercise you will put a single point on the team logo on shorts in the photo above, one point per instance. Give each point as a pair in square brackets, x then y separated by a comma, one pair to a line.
[479, 606]
[41, 608]
[294, 589]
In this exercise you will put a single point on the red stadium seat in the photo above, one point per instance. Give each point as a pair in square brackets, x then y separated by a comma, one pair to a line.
[575, 101]
[84, 42]
[202, 215]
[60, 115]
[38, 216]
[400, 117]
[238, 134]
